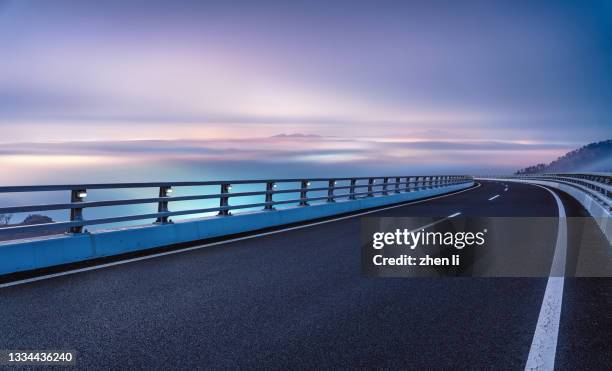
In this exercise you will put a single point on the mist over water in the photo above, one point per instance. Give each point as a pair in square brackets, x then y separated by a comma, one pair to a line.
[258, 159]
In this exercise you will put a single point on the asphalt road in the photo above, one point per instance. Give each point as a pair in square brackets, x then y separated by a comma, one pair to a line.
[297, 300]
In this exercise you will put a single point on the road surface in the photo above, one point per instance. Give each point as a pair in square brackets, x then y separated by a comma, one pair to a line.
[297, 299]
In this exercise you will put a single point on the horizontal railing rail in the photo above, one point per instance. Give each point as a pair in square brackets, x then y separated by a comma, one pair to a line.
[357, 187]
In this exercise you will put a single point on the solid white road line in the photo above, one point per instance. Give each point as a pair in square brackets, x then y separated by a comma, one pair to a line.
[544, 343]
[493, 198]
[120, 262]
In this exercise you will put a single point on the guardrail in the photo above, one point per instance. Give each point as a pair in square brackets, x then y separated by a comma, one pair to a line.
[357, 188]
[597, 185]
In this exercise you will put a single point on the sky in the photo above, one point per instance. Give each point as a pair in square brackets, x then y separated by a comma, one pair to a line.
[527, 75]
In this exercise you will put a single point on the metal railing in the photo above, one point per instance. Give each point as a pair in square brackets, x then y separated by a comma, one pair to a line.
[597, 185]
[356, 187]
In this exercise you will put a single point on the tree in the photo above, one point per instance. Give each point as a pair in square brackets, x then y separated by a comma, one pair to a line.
[5, 219]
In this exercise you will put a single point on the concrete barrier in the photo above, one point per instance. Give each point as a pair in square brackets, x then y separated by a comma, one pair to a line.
[24, 255]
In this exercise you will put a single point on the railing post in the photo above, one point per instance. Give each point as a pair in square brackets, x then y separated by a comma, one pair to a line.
[352, 189]
[408, 186]
[330, 190]
[397, 184]
[304, 193]
[269, 192]
[385, 184]
[370, 187]
[162, 206]
[224, 199]
[76, 214]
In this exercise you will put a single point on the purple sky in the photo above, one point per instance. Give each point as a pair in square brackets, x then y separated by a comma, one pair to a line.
[531, 73]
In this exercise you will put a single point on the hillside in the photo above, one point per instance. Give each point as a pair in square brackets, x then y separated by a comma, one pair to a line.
[595, 157]
[29, 220]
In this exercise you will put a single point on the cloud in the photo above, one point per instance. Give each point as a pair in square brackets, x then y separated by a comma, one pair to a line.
[463, 69]
[291, 148]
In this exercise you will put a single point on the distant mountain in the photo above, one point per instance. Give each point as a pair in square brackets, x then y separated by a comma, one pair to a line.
[296, 135]
[596, 157]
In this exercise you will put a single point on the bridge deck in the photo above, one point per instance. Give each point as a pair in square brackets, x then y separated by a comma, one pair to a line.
[286, 299]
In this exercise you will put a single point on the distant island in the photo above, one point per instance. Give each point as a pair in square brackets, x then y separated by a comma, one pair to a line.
[594, 157]
[296, 135]
[5, 220]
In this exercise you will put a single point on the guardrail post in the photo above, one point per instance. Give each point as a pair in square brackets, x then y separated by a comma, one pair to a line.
[385, 184]
[162, 206]
[397, 185]
[76, 214]
[224, 199]
[407, 186]
[370, 187]
[304, 193]
[352, 189]
[269, 193]
[330, 190]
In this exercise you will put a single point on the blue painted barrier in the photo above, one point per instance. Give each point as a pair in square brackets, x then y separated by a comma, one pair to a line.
[24, 255]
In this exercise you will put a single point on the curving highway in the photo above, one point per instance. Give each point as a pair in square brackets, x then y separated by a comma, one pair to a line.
[297, 299]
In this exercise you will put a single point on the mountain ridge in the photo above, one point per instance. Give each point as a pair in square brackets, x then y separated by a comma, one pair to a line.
[593, 157]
